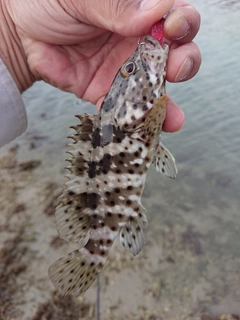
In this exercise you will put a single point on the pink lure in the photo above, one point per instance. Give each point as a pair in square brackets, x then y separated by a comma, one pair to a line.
[157, 30]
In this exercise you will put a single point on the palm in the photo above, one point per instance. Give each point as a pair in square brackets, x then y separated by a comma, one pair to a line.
[85, 69]
[70, 46]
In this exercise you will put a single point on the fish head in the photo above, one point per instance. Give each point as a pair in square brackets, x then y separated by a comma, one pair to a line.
[139, 84]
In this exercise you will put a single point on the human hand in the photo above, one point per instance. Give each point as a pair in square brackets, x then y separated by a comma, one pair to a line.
[78, 46]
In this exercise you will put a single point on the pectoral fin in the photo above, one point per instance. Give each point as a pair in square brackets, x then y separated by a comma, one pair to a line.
[165, 162]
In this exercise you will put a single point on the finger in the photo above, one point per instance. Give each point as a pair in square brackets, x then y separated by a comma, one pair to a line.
[174, 118]
[182, 24]
[128, 18]
[183, 62]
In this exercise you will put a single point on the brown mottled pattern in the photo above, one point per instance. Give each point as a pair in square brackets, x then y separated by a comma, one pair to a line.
[111, 154]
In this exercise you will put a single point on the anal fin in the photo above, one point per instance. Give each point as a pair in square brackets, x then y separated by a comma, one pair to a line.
[132, 234]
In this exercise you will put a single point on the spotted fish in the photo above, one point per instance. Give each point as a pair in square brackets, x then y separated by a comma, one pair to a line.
[110, 156]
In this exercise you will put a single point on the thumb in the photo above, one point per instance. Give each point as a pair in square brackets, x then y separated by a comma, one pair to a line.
[128, 18]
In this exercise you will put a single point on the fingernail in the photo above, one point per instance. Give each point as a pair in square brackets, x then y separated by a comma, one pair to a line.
[148, 4]
[177, 27]
[185, 70]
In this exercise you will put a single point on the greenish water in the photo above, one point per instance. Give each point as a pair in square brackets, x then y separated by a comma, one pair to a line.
[190, 265]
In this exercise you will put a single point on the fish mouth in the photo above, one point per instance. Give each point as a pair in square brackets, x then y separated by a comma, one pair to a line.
[153, 55]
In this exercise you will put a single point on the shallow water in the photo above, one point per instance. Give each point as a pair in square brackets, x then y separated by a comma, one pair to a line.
[190, 264]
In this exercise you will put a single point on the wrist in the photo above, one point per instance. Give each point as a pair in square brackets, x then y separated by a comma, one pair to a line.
[11, 50]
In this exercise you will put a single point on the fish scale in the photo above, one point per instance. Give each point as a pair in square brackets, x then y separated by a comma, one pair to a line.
[111, 154]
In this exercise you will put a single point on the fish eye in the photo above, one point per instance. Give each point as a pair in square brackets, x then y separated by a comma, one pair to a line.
[128, 69]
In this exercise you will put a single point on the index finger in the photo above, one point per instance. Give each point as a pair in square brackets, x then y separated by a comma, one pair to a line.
[182, 25]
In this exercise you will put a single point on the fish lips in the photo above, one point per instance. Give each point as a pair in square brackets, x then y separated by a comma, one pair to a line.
[153, 55]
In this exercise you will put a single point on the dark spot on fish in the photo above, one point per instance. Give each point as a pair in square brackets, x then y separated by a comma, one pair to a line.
[107, 193]
[133, 118]
[92, 264]
[133, 236]
[70, 227]
[135, 106]
[109, 241]
[163, 170]
[91, 251]
[67, 261]
[71, 193]
[113, 228]
[150, 84]
[129, 245]
[69, 202]
[65, 211]
[101, 241]
[136, 154]
[109, 214]
[120, 216]
[118, 171]
[78, 208]
[70, 280]
[84, 227]
[129, 187]
[130, 171]
[138, 229]
[128, 229]
[66, 220]
[144, 98]
[96, 138]
[93, 200]
[112, 203]
[122, 154]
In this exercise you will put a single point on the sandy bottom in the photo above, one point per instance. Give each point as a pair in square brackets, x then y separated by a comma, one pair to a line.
[185, 271]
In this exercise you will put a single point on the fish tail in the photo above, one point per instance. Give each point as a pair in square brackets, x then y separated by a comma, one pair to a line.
[75, 273]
